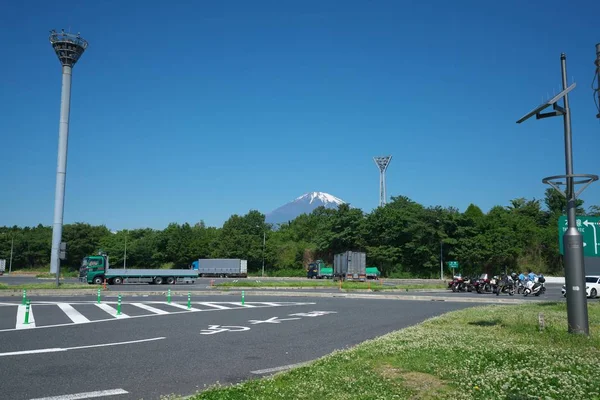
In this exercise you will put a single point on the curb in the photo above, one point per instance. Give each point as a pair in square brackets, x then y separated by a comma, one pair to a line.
[82, 292]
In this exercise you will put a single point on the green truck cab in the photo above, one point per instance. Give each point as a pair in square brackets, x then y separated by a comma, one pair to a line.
[96, 269]
[318, 270]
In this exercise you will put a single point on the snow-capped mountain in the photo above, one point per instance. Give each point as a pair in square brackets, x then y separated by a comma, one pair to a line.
[304, 204]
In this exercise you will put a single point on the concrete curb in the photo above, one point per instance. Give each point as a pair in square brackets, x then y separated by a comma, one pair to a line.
[82, 292]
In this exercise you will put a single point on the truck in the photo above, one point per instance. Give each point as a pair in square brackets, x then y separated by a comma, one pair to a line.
[350, 265]
[319, 270]
[221, 267]
[96, 269]
[373, 273]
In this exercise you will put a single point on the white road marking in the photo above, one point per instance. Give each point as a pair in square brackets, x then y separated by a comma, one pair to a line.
[72, 313]
[184, 310]
[21, 318]
[214, 305]
[111, 311]
[182, 306]
[246, 305]
[277, 369]
[59, 349]
[86, 395]
[150, 308]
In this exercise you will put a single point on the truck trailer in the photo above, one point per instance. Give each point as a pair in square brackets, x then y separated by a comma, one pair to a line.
[350, 265]
[221, 267]
[96, 269]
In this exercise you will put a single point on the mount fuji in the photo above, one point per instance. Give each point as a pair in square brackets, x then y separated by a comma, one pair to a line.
[304, 204]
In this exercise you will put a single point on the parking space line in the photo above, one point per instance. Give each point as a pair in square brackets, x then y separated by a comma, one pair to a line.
[246, 305]
[214, 305]
[111, 311]
[72, 313]
[149, 308]
[21, 318]
[182, 306]
[86, 395]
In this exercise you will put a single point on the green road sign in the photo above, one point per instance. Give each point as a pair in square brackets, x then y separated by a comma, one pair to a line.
[452, 264]
[589, 227]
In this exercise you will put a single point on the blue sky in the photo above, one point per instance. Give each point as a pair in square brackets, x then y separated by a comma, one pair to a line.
[185, 111]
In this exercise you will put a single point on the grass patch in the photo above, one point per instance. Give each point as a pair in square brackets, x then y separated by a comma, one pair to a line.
[491, 352]
[49, 285]
[68, 274]
[373, 285]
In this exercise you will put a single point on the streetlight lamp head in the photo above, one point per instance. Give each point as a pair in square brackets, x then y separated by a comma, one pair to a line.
[68, 47]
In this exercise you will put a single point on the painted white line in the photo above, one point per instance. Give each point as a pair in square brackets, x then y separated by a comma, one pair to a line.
[111, 311]
[181, 306]
[277, 369]
[72, 313]
[150, 308]
[214, 305]
[87, 395]
[142, 316]
[245, 305]
[59, 349]
[272, 304]
[21, 318]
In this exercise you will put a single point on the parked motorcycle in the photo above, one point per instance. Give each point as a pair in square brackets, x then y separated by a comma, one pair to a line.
[507, 284]
[485, 284]
[535, 287]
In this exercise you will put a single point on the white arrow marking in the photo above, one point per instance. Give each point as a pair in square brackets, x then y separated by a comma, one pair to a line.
[588, 223]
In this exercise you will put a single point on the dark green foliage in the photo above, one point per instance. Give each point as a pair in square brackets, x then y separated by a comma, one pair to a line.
[403, 239]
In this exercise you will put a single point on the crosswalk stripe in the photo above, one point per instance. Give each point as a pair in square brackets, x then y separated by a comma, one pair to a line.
[111, 311]
[150, 308]
[72, 313]
[214, 305]
[182, 306]
[21, 317]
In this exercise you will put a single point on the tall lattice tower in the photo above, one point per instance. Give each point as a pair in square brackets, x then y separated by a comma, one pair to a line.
[382, 164]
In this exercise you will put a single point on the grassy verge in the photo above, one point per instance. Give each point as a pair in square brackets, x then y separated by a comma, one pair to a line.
[373, 285]
[70, 274]
[493, 352]
[49, 285]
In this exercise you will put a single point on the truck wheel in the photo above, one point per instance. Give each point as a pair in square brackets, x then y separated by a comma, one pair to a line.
[158, 280]
[117, 281]
[98, 280]
[170, 280]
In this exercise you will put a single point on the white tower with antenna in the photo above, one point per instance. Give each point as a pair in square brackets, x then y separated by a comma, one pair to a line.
[382, 164]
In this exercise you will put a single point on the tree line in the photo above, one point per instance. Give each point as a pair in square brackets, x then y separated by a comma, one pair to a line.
[402, 238]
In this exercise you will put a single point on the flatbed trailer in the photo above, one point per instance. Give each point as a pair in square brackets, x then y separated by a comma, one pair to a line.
[96, 270]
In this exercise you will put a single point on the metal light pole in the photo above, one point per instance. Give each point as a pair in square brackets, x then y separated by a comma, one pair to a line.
[441, 260]
[68, 48]
[12, 244]
[264, 242]
[125, 255]
[597, 80]
[577, 313]
[382, 164]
